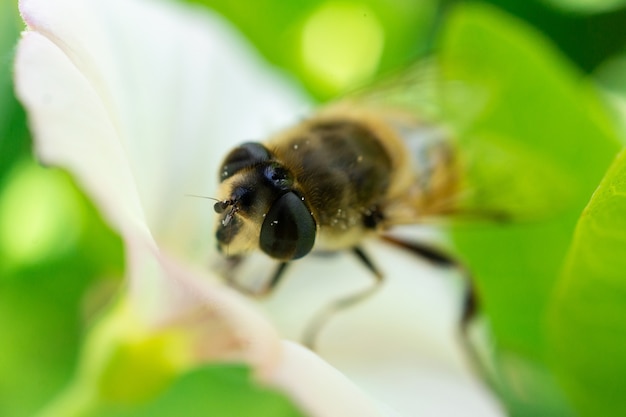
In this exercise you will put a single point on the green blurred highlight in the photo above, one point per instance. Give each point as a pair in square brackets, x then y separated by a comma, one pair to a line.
[341, 45]
[45, 304]
[304, 37]
[40, 215]
[587, 327]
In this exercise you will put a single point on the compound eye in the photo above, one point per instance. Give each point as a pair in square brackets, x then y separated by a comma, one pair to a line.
[288, 231]
[243, 156]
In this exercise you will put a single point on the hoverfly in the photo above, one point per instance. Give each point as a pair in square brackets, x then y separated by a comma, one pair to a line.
[355, 169]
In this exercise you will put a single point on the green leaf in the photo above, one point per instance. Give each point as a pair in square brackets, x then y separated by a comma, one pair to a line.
[523, 99]
[217, 390]
[586, 6]
[128, 369]
[14, 140]
[587, 323]
[538, 139]
[611, 77]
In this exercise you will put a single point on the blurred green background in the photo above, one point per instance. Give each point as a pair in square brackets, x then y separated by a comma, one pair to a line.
[555, 292]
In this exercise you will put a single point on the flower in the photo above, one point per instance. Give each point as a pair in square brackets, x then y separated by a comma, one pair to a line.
[140, 100]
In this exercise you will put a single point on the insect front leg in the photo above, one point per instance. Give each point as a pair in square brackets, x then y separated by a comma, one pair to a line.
[279, 273]
[232, 264]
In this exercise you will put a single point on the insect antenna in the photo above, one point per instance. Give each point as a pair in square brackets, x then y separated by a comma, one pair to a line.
[219, 207]
[202, 196]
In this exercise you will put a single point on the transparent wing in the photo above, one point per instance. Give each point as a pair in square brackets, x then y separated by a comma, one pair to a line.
[499, 177]
[414, 89]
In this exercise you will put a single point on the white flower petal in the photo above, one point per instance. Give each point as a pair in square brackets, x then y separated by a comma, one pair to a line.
[72, 129]
[226, 325]
[119, 133]
[318, 388]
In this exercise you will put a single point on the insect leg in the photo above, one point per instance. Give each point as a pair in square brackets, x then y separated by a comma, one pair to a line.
[493, 216]
[232, 263]
[442, 259]
[435, 256]
[368, 263]
[273, 282]
[319, 320]
[471, 305]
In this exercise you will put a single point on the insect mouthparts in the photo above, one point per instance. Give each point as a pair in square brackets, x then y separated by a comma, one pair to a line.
[229, 216]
